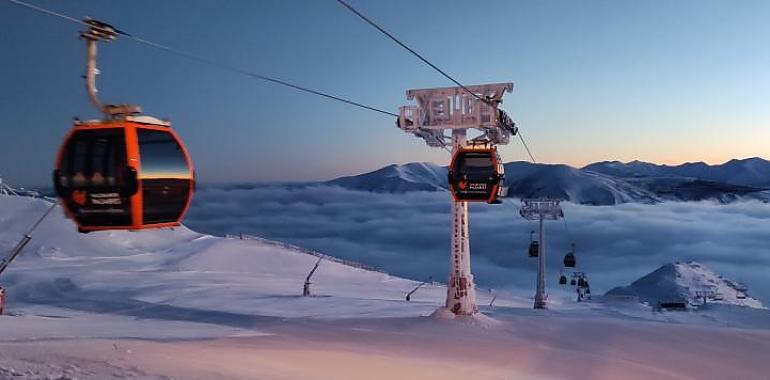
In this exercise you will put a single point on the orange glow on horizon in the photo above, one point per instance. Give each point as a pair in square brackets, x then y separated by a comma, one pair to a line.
[166, 175]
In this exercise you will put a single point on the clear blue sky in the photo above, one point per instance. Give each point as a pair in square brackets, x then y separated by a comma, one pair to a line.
[663, 81]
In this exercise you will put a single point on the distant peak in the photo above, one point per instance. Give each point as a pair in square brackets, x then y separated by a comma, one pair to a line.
[422, 164]
[691, 264]
[638, 162]
[604, 163]
[749, 160]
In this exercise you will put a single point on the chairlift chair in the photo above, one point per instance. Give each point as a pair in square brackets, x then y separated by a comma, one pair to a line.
[569, 260]
[534, 246]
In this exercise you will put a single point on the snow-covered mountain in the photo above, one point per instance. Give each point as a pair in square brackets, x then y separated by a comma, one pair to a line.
[687, 282]
[750, 172]
[416, 176]
[526, 180]
[604, 183]
[628, 169]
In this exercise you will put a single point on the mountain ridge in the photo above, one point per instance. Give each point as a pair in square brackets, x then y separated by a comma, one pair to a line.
[600, 183]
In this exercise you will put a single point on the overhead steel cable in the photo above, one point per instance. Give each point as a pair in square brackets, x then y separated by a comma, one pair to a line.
[416, 54]
[419, 56]
[523, 142]
[47, 11]
[207, 61]
[234, 69]
[569, 234]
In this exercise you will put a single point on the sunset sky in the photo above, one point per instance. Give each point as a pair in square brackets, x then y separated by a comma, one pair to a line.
[660, 81]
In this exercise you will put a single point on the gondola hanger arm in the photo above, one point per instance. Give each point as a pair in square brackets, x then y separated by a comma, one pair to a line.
[100, 31]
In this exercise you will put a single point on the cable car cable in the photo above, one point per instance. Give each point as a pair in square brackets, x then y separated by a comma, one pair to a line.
[207, 61]
[566, 229]
[254, 75]
[46, 11]
[219, 65]
[396, 40]
[529, 152]
[416, 54]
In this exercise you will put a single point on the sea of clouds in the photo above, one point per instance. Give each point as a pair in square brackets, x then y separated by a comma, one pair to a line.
[408, 234]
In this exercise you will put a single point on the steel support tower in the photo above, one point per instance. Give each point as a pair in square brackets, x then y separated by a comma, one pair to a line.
[541, 209]
[458, 109]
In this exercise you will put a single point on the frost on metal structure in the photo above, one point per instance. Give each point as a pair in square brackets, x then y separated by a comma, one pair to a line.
[439, 109]
[541, 209]
[458, 109]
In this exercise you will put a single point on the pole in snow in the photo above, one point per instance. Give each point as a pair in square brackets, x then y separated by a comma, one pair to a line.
[24, 240]
[420, 285]
[306, 287]
[17, 250]
[494, 297]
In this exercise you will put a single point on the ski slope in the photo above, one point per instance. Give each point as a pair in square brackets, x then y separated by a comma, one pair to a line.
[179, 304]
[185, 269]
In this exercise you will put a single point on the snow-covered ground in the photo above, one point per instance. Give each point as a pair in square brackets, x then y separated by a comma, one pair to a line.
[179, 304]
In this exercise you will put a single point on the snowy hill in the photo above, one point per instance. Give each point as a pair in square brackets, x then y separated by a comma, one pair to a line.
[687, 282]
[108, 271]
[605, 183]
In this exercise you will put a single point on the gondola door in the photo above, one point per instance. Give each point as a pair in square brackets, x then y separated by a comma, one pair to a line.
[93, 177]
[165, 177]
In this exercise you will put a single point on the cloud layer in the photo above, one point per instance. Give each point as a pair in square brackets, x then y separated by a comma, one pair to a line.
[408, 234]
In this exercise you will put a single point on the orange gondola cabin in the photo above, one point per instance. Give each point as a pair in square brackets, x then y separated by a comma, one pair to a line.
[128, 173]
[476, 174]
